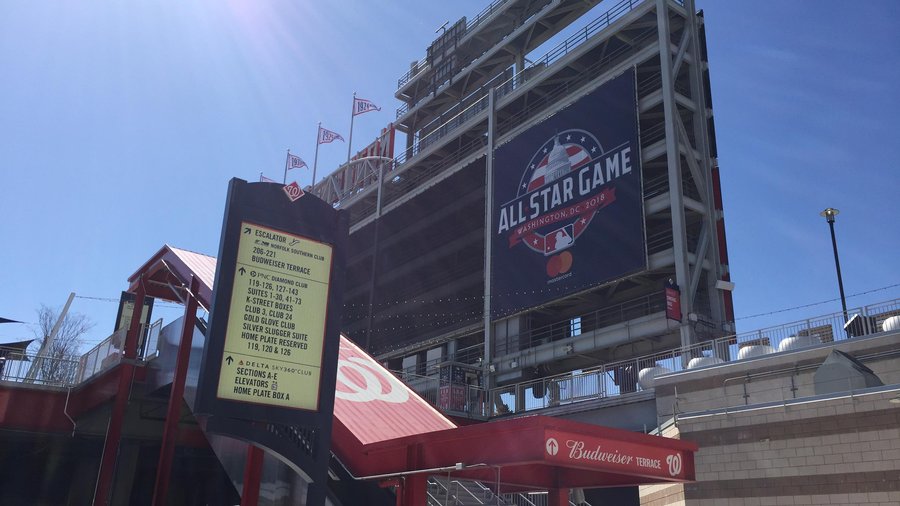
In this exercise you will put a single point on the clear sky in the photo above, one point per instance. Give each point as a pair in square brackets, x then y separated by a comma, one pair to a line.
[122, 122]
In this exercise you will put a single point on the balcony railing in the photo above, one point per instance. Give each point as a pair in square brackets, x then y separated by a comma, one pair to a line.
[22, 367]
[476, 103]
[637, 374]
[470, 25]
[106, 354]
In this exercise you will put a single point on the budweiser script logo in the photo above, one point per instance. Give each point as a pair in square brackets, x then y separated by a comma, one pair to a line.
[578, 451]
[377, 385]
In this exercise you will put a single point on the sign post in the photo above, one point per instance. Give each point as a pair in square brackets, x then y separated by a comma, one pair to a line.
[271, 351]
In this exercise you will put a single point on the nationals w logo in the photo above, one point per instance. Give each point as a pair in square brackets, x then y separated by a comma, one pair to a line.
[674, 462]
[375, 385]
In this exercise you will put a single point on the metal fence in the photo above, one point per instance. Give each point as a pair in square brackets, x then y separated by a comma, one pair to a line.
[600, 318]
[446, 396]
[476, 102]
[633, 375]
[419, 66]
[443, 491]
[22, 367]
[103, 356]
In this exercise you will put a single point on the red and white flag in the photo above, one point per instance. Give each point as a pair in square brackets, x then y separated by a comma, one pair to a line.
[326, 136]
[264, 179]
[295, 162]
[361, 105]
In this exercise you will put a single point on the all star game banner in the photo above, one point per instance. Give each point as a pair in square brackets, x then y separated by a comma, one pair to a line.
[568, 207]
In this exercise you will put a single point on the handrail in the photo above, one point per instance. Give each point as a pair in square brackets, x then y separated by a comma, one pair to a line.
[625, 376]
[545, 60]
[460, 485]
[48, 370]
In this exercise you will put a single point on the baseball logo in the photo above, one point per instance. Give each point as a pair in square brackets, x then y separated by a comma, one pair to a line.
[565, 183]
[674, 462]
[293, 191]
[358, 382]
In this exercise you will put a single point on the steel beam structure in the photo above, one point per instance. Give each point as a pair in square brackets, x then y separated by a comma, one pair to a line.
[176, 396]
[105, 475]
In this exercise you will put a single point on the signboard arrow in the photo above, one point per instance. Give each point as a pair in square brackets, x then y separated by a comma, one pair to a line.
[229, 360]
[246, 230]
[242, 271]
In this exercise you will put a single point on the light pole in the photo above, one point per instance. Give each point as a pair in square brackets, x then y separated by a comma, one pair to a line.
[829, 215]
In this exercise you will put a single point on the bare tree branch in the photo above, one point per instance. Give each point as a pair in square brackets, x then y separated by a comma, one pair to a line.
[59, 360]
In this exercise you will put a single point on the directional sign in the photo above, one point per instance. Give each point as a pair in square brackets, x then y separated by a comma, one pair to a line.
[276, 327]
[270, 357]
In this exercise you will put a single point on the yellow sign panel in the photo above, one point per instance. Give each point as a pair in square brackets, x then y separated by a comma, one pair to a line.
[276, 326]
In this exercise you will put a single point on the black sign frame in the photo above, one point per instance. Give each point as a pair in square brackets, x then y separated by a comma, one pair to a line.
[268, 205]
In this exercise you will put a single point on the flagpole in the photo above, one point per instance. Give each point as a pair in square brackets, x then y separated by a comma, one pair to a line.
[316, 159]
[286, 162]
[260, 177]
[352, 116]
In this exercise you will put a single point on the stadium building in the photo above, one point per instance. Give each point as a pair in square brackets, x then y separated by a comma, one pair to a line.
[546, 239]
[556, 206]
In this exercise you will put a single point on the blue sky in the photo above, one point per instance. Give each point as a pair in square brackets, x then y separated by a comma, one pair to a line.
[121, 124]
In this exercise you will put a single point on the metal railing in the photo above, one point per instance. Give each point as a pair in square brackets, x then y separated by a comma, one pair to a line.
[637, 374]
[476, 102]
[453, 492]
[600, 318]
[151, 345]
[470, 25]
[634, 375]
[23, 367]
[68, 371]
[443, 491]
[504, 83]
[106, 354]
[792, 384]
[447, 396]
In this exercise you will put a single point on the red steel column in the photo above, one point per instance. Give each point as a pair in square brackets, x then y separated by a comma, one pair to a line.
[558, 497]
[252, 476]
[415, 490]
[170, 432]
[126, 377]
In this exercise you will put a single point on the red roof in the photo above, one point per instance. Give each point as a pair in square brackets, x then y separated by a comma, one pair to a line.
[374, 405]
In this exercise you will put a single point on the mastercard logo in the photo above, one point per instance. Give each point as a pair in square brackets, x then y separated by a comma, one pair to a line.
[559, 264]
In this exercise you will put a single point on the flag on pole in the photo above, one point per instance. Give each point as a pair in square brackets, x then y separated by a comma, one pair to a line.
[361, 105]
[326, 136]
[295, 162]
[264, 179]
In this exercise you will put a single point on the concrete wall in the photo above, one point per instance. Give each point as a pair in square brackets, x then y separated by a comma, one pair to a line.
[766, 439]
[842, 450]
[666, 493]
[779, 377]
